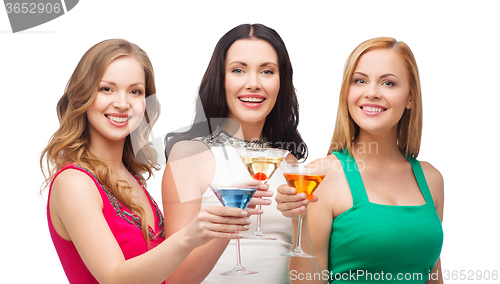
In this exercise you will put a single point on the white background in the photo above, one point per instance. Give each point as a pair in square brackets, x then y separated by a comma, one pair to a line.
[457, 51]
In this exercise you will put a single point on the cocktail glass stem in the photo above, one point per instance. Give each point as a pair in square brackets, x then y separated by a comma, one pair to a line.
[298, 251]
[239, 269]
[238, 255]
[298, 248]
[258, 231]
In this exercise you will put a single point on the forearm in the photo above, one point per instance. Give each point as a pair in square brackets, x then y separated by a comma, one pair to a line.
[199, 263]
[155, 265]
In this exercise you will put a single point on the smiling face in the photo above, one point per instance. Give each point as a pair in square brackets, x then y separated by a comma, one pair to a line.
[379, 91]
[252, 80]
[120, 103]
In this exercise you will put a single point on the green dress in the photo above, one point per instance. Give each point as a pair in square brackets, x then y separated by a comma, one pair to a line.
[376, 243]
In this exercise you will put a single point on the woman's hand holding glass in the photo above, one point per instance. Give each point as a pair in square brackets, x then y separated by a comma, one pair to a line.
[257, 199]
[216, 222]
[292, 204]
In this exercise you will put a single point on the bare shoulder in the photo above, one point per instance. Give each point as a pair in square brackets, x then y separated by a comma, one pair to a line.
[432, 175]
[193, 156]
[187, 149]
[72, 181]
[334, 194]
[436, 184]
[73, 186]
[332, 162]
[73, 195]
[335, 178]
[329, 160]
[189, 170]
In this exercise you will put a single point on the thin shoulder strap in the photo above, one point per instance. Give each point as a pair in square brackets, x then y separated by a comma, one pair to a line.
[353, 176]
[420, 177]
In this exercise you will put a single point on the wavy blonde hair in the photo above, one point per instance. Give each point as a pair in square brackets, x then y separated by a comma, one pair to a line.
[409, 126]
[70, 143]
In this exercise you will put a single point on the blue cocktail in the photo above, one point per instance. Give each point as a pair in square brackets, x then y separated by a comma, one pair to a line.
[236, 195]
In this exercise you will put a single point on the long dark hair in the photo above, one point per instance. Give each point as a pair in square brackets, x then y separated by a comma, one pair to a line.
[280, 128]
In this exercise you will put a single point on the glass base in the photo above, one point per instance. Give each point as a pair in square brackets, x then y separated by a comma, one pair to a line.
[239, 270]
[298, 252]
[259, 236]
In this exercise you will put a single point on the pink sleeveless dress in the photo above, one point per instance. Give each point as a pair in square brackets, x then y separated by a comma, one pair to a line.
[125, 226]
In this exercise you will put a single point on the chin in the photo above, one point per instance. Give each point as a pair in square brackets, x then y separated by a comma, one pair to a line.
[254, 119]
[250, 117]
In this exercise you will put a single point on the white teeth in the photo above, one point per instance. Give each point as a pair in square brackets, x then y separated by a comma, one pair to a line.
[117, 119]
[251, 100]
[372, 109]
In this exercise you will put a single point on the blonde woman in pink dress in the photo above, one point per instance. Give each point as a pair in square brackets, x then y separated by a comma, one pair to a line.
[105, 226]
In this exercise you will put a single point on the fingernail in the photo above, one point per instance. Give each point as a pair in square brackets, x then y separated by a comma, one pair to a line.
[248, 220]
[244, 213]
[246, 227]
[239, 235]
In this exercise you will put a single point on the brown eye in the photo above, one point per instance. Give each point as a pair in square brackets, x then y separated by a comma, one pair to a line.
[359, 81]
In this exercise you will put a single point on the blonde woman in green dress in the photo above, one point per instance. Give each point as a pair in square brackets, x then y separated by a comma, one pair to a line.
[377, 215]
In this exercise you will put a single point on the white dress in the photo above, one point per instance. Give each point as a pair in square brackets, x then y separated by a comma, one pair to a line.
[261, 255]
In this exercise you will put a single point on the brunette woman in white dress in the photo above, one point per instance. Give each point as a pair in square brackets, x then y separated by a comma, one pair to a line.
[246, 98]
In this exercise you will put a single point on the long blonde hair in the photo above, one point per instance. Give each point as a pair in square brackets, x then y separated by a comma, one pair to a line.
[409, 130]
[70, 143]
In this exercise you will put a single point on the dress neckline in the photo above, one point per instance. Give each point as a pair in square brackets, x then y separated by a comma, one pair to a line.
[123, 211]
[221, 138]
[401, 206]
[360, 195]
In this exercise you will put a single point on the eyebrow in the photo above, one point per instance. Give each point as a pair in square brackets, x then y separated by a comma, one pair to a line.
[244, 64]
[114, 84]
[383, 76]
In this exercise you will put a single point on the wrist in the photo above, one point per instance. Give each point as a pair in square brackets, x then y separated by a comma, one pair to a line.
[186, 240]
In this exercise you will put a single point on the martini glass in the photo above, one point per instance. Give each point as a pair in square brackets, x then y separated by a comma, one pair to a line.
[261, 163]
[236, 195]
[305, 178]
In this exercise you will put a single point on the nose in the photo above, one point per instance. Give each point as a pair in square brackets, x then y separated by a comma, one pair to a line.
[121, 101]
[372, 92]
[253, 82]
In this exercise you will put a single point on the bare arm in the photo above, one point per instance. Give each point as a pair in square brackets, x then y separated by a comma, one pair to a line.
[317, 224]
[292, 205]
[189, 170]
[76, 211]
[436, 186]
[316, 227]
